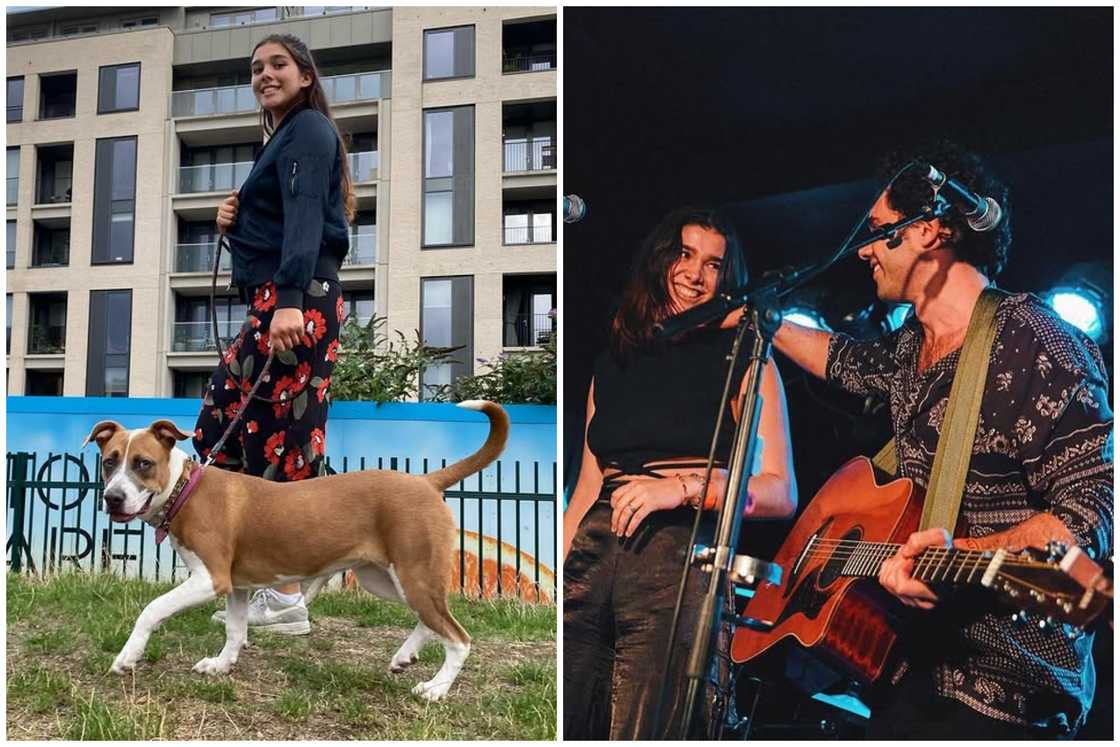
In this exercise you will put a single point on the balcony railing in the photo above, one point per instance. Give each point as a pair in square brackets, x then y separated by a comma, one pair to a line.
[530, 155]
[199, 257]
[197, 337]
[363, 165]
[239, 98]
[363, 247]
[529, 330]
[519, 63]
[51, 255]
[212, 177]
[46, 338]
[528, 235]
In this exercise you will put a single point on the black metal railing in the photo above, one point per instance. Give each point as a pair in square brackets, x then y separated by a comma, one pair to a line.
[537, 154]
[529, 330]
[55, 523]
[530, 234]
[516, 62]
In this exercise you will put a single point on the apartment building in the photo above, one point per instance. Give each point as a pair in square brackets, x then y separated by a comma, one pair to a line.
[127, 127]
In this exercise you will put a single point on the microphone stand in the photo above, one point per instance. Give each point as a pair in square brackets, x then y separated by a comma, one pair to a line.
[762, 311]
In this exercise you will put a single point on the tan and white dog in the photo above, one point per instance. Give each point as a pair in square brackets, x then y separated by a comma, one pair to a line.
[237, 533]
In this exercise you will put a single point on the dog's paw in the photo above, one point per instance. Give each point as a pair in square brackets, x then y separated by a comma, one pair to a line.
[121, 665]
[431, 690]
[399, 663]
[214, 665]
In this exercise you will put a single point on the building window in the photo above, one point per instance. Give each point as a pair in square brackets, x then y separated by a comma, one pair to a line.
[528, 46]
[243, 17]
[44, 383]
[449, 177]
[15, 99]
[132, 23]
[11, 244]
[13, 175]
[193, 331]
[114, 200]
[9, 318]
[118, 88]
[449, 53]
[529, 136]
[110, 341]
[51, 247]
[29, 34]
[58, 93]
[215, 168]
[447, 321]
[528, 310]
[363, 239]
[191, 384]
[84, 27]
[46, 324]
[56, 172]
[529, 222]
[358, 305]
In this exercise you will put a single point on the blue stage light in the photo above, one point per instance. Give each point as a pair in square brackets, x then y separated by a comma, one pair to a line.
[806, 317]
[898, 315]
[1081, 307]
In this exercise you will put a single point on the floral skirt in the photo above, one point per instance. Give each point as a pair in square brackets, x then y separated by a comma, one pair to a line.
[285, 440]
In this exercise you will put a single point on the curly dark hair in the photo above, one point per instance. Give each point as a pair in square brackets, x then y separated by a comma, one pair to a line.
[910, 192]
[645, 300]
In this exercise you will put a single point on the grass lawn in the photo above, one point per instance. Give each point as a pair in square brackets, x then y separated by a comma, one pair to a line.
[64, 632]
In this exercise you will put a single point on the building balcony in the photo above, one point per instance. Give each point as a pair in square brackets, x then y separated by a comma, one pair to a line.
[239, 99]
[198, 337]
[199, 257]
[363, 165]
[528, 155]
[213, 177]
[539, 234]
[515, 62]
[363, 247]
[528, 330]
[44, 339]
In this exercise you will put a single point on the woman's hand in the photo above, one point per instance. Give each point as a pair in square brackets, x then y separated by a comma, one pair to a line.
[227, 212]
[641, 496]
[286, 330]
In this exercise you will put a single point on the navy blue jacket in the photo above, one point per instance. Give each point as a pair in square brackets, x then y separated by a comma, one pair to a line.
[291, 225]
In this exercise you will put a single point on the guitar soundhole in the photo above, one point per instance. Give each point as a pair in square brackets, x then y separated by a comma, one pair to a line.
[839, 557]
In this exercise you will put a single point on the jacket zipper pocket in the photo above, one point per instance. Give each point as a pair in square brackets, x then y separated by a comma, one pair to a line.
[292, 178]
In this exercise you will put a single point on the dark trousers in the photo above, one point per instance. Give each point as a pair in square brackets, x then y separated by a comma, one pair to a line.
[914, 710]
[287, 440]
[618, 608]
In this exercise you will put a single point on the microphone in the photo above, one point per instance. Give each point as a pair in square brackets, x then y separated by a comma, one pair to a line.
[575, 209]
[983, 213]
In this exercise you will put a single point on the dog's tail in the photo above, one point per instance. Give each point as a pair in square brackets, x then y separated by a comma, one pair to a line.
[495, 442]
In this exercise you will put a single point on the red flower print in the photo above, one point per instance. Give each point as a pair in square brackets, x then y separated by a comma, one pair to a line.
[303, 373]
[220, 458]
[283, 388]
[274, 447]
[321, 392]
[295, 466]
[318, 441]
[231, 409]
[198, 434]
[231, 352]
[332, 351]
[252, 427]
[280, 409]
[315, 327]
[263, 346]
[254, 322]
[230, 385]
[340, 308]
[265, 298]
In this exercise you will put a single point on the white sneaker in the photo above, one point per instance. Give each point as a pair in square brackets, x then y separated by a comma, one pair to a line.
[267, 612]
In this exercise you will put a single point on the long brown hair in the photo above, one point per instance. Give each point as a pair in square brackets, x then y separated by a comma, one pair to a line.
[315, 98]
[645, 300]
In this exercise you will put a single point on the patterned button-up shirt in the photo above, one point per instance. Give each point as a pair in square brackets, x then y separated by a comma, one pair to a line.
[1043, 444]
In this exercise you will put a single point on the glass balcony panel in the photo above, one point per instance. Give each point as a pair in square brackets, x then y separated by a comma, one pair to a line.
[528, 330]
[197, 337]
[45, 339]
[363, 247]
[199, 257]
[363, 165]
[212, 177]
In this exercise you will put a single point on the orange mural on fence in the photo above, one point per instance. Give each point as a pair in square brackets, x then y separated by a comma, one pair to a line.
[524, 583]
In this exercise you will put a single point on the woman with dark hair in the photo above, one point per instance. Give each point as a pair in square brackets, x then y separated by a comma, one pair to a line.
[650, 416]
[288, 232]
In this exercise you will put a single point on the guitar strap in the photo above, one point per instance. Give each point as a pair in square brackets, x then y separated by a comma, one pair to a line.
[954, 447]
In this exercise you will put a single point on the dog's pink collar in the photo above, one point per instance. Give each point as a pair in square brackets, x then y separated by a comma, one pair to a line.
[177, 500]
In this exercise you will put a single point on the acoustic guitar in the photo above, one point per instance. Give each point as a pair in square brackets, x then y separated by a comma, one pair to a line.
[830, 600]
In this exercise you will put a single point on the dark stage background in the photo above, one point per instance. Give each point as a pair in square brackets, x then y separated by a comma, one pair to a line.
[780, 115]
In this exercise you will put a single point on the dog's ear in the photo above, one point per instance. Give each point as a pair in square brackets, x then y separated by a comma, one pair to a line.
[167, 433]
[102, 432]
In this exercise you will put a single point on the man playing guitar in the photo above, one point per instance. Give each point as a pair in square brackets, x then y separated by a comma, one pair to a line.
[1041, 465]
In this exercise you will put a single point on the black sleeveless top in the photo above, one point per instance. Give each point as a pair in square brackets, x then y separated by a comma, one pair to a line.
[662, 403]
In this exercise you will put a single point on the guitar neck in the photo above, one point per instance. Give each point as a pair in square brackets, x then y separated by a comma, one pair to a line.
[934, 564]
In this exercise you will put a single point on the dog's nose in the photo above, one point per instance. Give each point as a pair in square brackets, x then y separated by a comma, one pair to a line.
[114, 500]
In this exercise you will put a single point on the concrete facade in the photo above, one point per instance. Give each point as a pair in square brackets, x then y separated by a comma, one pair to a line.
[180, 49]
